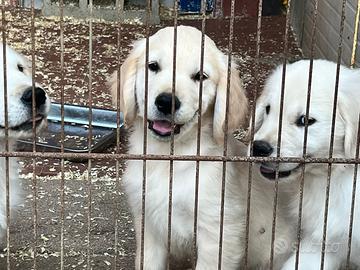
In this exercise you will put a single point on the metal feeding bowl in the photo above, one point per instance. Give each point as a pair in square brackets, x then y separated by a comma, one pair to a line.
[76, 130]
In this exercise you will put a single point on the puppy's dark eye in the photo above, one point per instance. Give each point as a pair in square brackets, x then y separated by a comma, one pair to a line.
[154, 66]
[196, 76]
[300, 122]
[20, 68]
[267, 109]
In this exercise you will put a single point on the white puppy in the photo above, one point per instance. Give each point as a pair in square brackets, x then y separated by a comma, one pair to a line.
[159, 128]
[318, 142]
[19, 109]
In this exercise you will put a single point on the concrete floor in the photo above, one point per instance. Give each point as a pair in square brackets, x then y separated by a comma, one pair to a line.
[108, 203]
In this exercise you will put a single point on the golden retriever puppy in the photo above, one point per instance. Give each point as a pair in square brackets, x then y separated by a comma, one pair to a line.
[19, 117]
[318, 144]
[159, 128]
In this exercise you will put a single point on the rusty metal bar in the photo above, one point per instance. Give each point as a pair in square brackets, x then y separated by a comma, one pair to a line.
[103, 156]
[222, 210]
[226, 128]
[119, 8]
[62, 138]
[33, 102]
[353, 197]
[308, 98]
[278, 148]
[34, 180]
[252, 131]
[198, 136]
[331, 147]
[171, 165]
[6, 124]
[90, 101]
[143, 195]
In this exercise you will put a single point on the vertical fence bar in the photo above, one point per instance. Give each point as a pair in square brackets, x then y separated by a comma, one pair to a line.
[62, 139]
[252, 129]
[7, 148]
[278, 148]
[308, 99]
[226, 128]
[198, 137]
[90, 104]
[353, 197]
[34, 180]
[331, 146]
[143, 195]
[119, 8]
[171, 167]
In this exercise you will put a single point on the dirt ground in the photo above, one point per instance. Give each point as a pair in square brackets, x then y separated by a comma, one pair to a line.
[112, 243]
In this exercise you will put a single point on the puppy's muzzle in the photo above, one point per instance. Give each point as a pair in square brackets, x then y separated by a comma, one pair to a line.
[262, 149]
[40, 97]
[30, 98]
[163, 126]
[268, 169]
[163, 103]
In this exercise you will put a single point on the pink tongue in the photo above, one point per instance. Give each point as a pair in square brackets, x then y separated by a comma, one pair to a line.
[162, 127]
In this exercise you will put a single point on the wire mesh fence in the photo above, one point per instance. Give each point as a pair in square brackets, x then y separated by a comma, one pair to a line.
[100, 238]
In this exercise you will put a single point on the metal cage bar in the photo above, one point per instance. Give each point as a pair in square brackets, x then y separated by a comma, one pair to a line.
[198, 138]
[6, 122]
[252, 131]
[226, 129]
[62, 170]
[353, 196]
[34, 179]
[279, 135]
[90, 135]
[143, 195]
[331, 146]
[308, 98]
[171, 162]
[118, 130]
[103, 156]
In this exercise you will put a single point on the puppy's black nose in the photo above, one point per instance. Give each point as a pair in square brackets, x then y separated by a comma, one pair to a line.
[40, 97]
[163, 103]
[262, 149]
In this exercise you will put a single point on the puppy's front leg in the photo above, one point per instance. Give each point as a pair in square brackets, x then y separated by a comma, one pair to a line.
[208, 251]
[154, 251]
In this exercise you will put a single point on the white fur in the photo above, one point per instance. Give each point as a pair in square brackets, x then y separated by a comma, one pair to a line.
[157, 172]
[132, 88]
[18, 113]
[315, 177]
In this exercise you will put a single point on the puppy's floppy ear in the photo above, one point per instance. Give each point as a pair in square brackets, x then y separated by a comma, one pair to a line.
[127, 83]
[350, 116]
[238, 104]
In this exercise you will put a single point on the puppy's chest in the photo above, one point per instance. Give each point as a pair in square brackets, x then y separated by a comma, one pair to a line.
[338, 213]
[161, 179]
[179, 186]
